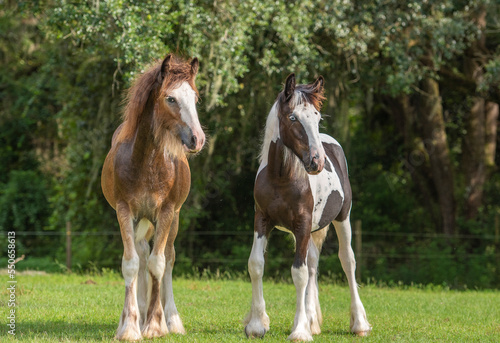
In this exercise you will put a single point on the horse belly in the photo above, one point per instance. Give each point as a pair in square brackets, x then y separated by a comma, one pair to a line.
[328, 198]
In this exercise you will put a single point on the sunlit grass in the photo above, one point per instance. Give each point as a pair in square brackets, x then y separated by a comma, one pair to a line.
[83, 308]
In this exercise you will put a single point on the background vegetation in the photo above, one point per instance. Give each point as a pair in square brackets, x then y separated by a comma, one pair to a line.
[412, 95]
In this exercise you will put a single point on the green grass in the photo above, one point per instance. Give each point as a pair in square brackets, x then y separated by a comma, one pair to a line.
[64, 308]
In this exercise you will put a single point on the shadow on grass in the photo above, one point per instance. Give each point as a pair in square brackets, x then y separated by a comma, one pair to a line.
[337, 332]
[74, 332]
[62, 330]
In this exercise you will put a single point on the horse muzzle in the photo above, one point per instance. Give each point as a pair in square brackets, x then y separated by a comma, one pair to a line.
[193, 141]
[316, 163]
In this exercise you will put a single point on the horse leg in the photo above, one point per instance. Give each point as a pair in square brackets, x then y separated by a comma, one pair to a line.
[313, 308]
[145, 228]
[257, 321]
[301, 330]
[359, 324]
[128, 329]
[156, 325]
[174, 322]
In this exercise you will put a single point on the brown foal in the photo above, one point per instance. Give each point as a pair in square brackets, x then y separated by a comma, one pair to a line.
[146, 179]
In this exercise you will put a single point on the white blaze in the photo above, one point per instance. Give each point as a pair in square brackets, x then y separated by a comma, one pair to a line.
[186, 99]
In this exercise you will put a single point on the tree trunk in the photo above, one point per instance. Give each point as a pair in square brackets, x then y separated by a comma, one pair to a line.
[474, 158]
[480, 126]
[491, 134]
[430, 117]
[403, 115]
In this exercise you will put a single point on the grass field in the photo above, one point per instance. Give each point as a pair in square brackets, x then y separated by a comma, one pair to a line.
[83, 308]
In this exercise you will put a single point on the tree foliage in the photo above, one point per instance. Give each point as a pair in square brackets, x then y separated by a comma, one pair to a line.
[399, 98]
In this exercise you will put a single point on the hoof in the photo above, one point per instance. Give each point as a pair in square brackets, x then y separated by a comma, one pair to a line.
[300, 336]
[360, 326]
[174, 325]
[363, 333]
[314, 324]
[315, 329]
[253, 332]
[257, 326]
[129, 334]
[153, 330]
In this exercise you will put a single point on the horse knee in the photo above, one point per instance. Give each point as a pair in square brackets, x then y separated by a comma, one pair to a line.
[300, 276]
[256, 261]
[130, 268]
[346, 256]
[256, 266]
[156, 265]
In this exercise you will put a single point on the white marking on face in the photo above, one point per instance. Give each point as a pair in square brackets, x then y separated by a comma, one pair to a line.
[186, 99]
[309, 117]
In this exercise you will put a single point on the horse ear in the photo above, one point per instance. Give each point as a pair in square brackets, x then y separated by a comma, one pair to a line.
[319, 84]
[165, 66]
[289, 86]
[194, 66]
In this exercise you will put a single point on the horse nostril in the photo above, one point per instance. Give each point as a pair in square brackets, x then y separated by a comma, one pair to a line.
[194, 141]
[316, 156]
[314, 166]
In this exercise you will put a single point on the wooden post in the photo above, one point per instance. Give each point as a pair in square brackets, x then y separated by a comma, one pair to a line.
[357, 248]
[497, 227]
[68, 245]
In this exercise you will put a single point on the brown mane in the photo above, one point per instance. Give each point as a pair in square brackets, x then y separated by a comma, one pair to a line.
[309, 94]
[148, 85]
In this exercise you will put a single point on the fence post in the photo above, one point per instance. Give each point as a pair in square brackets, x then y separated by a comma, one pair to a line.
[497, 227]
[357, 248]
[68, 245]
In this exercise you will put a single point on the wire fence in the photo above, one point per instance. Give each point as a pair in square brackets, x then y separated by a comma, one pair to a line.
[250, 234]
[410, 256]
[368, 238]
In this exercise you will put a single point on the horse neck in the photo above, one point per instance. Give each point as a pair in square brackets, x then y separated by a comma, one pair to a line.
[281, 161]
[283, 164]
[143, 142]
[150, 140]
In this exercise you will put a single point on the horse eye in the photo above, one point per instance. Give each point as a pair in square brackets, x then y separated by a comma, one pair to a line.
[170, 100]
[292, 117]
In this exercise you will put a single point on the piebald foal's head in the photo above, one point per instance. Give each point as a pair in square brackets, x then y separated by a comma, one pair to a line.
[176, 104]
[299, 117]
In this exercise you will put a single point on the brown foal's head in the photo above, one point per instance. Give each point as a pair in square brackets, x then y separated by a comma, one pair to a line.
[175, 107]
[299, 117]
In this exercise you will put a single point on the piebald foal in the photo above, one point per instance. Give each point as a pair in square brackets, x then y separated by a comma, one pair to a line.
[146, 179]
[302, 186]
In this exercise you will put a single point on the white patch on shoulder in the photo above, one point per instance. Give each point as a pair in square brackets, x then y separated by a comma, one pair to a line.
[328, 139]
[322, 185]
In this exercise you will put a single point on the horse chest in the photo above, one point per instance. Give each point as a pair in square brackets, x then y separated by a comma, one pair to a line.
[319, 197]
[158, 179]
[282, 200]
